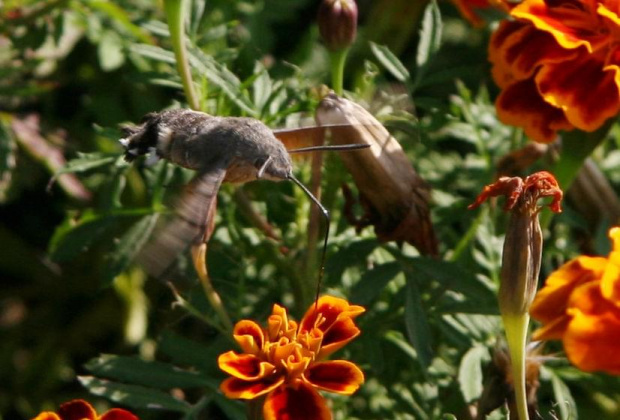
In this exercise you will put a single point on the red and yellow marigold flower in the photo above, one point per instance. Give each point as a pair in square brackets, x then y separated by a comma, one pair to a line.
[286, 361]
[580, 305]
[558, 64]
[82, 410]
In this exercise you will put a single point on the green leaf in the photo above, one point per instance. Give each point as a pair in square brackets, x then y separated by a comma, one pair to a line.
[221, 77]
[453, 277]
[235, 410]
[563, 397]
[470, 373]
[416, 323]
[186, 352]
[74, 237]
[354, 253]
[85, 162]
[390, 62]
[129, 245]
[134, 396]
[373, 282]
[110, 51]
[134, 370]
[153, 52]
[430, 38]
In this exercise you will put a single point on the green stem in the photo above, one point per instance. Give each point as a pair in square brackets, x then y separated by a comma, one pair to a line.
[338, 59]
[577, 146]
[516, 326]
[175, 14]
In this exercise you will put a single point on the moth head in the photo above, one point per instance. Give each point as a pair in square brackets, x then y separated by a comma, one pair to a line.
[140, 139]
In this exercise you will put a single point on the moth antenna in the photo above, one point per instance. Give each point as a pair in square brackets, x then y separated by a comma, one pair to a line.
[327, 220]
[331, 147]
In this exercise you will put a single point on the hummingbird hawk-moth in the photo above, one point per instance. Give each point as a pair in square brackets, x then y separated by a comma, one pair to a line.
[220, 149]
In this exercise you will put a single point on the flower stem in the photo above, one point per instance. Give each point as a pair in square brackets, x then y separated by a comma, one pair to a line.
[175, 14]
[338, 59]
[516, 326]
[199, 253]
[577, 146]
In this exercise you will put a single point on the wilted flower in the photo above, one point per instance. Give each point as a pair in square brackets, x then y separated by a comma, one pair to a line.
[338, 23]
[558, 66]
[82, 410]
[523, 243]
[286, 361]
[580, 305]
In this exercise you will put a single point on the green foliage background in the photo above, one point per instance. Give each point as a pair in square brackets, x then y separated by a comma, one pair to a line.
[72, 71]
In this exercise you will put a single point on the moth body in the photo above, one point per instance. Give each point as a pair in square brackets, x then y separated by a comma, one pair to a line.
[195, 140]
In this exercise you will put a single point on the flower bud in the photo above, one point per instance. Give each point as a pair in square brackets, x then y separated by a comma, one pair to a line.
[338, 23]
[523, 244]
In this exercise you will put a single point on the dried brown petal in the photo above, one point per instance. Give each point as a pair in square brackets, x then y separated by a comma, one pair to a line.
[395, 197]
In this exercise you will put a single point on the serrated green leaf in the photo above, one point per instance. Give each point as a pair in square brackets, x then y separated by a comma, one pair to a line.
[221, 77]
[470, 373]
[136, 371]
[134, 396]
[430, 37]
[390, 62]
[129, 245]
[373, 282]
[416, 324]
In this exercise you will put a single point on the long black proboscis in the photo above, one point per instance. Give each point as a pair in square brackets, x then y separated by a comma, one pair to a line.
[327, 220]
[331, 147]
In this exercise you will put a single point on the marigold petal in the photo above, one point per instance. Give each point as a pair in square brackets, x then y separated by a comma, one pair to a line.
[517, 51]
[247, 390]
[118, 414]
[566, 20]
[521, 105]
[587, 93]
[77, 410]
[300, 402]
[610, 283]
[47, 415]
[337, 336]
[249, 335]
[552, 300]
[329, 309]
[553, 330]
[339, 376]
[244, 366]
[591, 342]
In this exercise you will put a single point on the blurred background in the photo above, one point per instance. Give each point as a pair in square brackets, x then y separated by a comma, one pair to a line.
[72, 71]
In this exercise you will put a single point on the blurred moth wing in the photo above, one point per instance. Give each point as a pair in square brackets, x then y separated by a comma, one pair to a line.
[193, 222]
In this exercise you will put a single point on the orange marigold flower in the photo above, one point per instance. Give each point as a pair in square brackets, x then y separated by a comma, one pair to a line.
[580, 305]
[286, 361]
[82, 410]
[558, 66]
